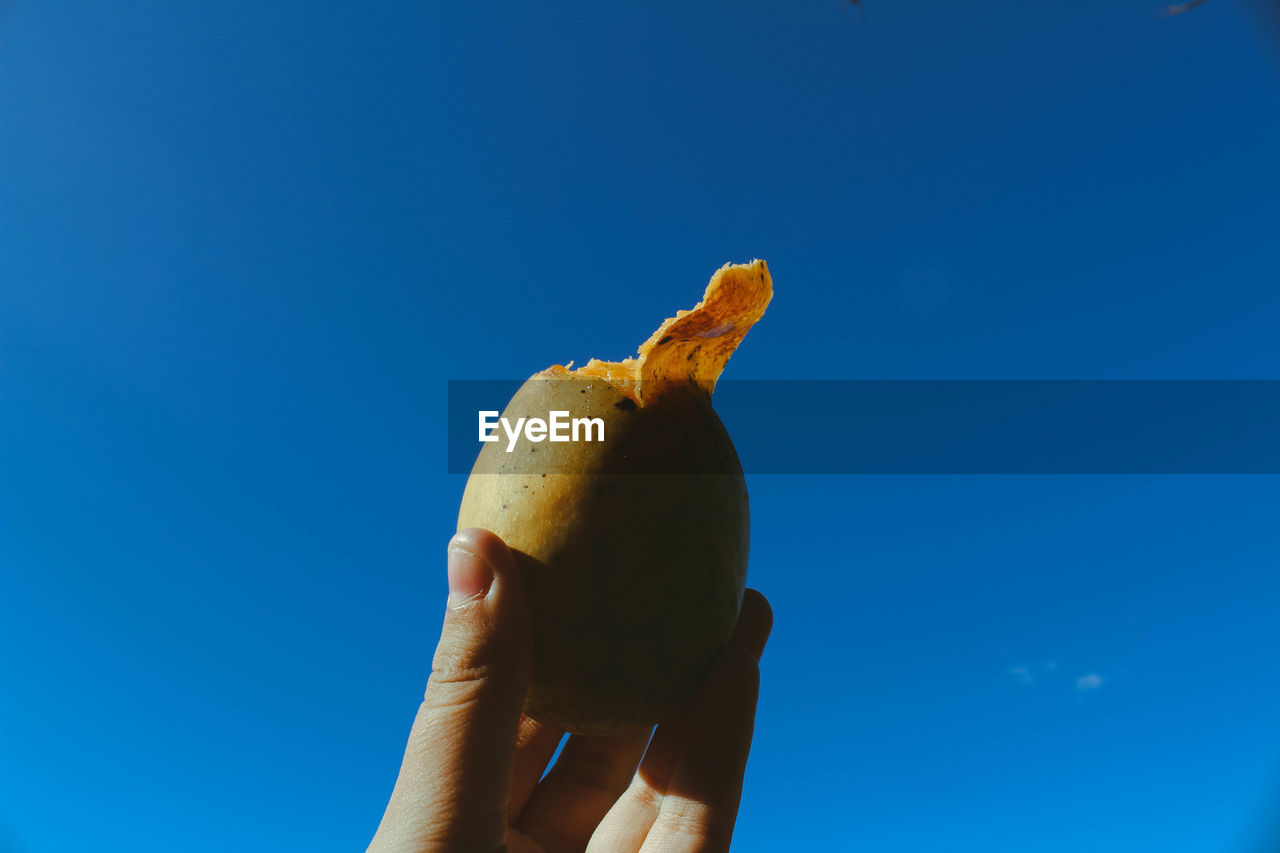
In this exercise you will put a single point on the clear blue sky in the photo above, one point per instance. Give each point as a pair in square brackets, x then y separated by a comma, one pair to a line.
[243, 246]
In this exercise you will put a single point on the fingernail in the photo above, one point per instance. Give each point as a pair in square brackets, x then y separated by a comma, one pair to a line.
[469, 577]
[755, 623]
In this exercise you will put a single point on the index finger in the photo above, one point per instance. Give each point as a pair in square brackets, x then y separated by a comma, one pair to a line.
[686, 793]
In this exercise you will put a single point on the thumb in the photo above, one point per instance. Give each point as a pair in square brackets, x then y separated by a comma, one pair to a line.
[456, 775]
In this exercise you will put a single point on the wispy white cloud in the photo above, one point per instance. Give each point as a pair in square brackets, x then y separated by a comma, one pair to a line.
[1092, 681]
[1031, 673]
[1022, 674]
[1048, 672]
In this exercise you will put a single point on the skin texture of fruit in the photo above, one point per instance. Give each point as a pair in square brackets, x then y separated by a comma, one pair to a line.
[634, 549]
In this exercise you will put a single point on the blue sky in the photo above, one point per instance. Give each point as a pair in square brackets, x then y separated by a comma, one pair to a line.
[244, 246]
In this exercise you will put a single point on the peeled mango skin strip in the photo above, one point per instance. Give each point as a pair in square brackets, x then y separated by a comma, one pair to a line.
[694, 345]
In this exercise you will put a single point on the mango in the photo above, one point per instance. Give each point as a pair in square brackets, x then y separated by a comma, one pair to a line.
[633, 549]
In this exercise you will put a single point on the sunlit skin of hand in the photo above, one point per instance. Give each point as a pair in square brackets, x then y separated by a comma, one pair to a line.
[472, 776]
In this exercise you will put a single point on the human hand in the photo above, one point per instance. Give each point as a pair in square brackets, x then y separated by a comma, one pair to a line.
[472, 775]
